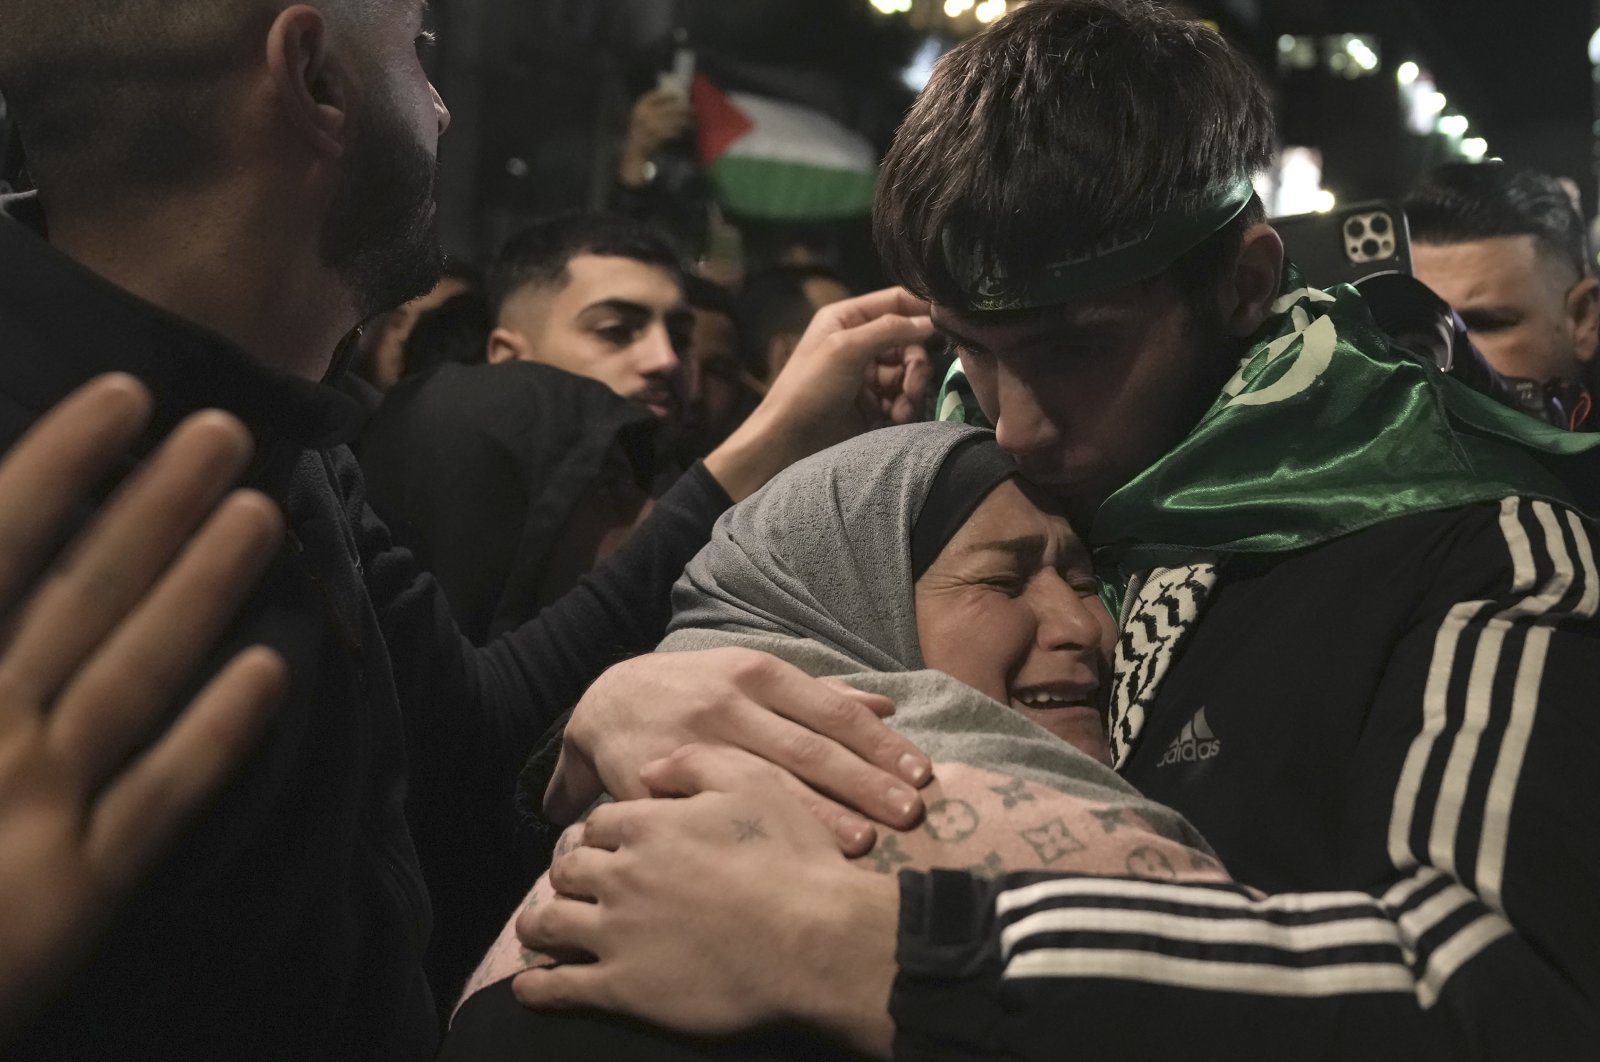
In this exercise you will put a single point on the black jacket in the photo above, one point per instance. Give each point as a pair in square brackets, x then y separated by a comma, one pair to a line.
[290, 924]
[482, 470]
[1394, 735]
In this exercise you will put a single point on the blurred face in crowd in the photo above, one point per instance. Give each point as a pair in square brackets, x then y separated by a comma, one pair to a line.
[388, 333]
[1087, 395]
[1529, 313]
[713, 369]
[381, 233]
[819, 292]
[616, 320]
[1018, 573]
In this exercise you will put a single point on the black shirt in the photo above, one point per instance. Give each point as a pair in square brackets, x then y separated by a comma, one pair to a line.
[290, 923]
[481, 470]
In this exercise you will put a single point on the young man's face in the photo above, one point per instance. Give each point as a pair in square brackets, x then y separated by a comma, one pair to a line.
[712, 368]
[616, 320]
[1530, 316]
[1089, 395]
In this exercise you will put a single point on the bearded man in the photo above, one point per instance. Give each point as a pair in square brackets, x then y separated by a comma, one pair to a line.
[226, 188]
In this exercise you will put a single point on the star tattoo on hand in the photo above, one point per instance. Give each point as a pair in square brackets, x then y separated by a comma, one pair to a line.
[749, 830]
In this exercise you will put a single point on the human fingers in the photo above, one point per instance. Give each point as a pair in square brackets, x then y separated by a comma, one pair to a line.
[881, 706]
[108, 569]
[883, 336]
[914, 388]
[143, 808]
[833, 709]
[564, 987]
[126, 685]
[838, 747]
[580, 873]
[610, 826]
[696, 769]
[887, 377]
[856, 311]
[56, 465]
[561, 925]
[660, 96]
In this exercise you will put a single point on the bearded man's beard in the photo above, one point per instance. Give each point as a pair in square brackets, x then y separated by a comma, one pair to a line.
[381, 235]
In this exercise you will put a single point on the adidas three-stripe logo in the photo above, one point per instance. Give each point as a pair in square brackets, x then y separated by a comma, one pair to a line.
[1448, 839]
[1194, 742]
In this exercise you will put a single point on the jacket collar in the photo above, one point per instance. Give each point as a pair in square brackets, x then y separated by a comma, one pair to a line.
[61, 324]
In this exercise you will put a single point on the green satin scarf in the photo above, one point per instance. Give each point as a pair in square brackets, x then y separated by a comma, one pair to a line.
[1325, 430]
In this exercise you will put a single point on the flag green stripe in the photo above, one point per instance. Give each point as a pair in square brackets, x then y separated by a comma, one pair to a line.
[789, 191]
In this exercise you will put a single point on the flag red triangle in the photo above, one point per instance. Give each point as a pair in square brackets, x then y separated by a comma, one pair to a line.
[718, 123]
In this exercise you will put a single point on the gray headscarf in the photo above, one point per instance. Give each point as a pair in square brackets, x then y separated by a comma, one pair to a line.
[816, 569]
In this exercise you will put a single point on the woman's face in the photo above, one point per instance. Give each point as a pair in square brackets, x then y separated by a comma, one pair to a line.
[1011, 608]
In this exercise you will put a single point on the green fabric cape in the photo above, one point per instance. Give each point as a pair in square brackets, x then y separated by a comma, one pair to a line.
[1326, 429]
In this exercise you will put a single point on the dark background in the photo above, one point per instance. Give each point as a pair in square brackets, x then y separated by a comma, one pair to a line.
[540, 89]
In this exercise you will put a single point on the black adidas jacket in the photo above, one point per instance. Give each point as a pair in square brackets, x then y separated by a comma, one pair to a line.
[1396, 736]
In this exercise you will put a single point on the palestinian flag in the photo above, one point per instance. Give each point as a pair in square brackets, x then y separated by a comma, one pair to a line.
[778, 161]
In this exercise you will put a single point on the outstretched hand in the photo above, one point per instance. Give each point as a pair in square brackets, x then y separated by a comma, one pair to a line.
[98, 639]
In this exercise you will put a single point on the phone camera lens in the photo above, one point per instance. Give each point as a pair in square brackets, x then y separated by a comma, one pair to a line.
[1369, 247]
[1355, 228]
[1380, 224]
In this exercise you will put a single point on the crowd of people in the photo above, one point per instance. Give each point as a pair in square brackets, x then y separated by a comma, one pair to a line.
[1107, 640]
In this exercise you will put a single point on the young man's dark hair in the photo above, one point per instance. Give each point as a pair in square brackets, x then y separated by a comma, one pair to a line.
[1032, 172]
[1466, 202]
[465, 270]
[1506, 248]
[775, 303]
[539, 254]
[1359, 607]
[702, 294]
[454, 331]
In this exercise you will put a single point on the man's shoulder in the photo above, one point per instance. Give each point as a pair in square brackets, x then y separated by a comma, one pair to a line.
[494, 399]
[1432, 559]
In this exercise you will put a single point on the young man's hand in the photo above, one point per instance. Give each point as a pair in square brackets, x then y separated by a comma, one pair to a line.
[658, 117]
[718, 913]
[821, 741]
[97, 642]
[860, 365]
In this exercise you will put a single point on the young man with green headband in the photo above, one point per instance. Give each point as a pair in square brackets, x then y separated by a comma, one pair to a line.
[1359, 650]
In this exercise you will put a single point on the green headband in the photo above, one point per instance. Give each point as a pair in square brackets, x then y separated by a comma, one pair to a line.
[1117, 260]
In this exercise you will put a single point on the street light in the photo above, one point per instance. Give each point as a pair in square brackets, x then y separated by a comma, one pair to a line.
[989, 10]
[1407, 73]
[1454, 125]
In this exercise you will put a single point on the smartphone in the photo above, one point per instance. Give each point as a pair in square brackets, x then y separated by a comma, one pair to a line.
[1349, 243]
[681, 76]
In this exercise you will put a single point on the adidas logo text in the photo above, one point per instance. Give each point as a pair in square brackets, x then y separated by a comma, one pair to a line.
[1195, 742]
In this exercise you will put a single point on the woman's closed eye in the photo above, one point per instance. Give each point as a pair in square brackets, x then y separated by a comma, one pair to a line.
[1012, 584]
[1082, 581]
